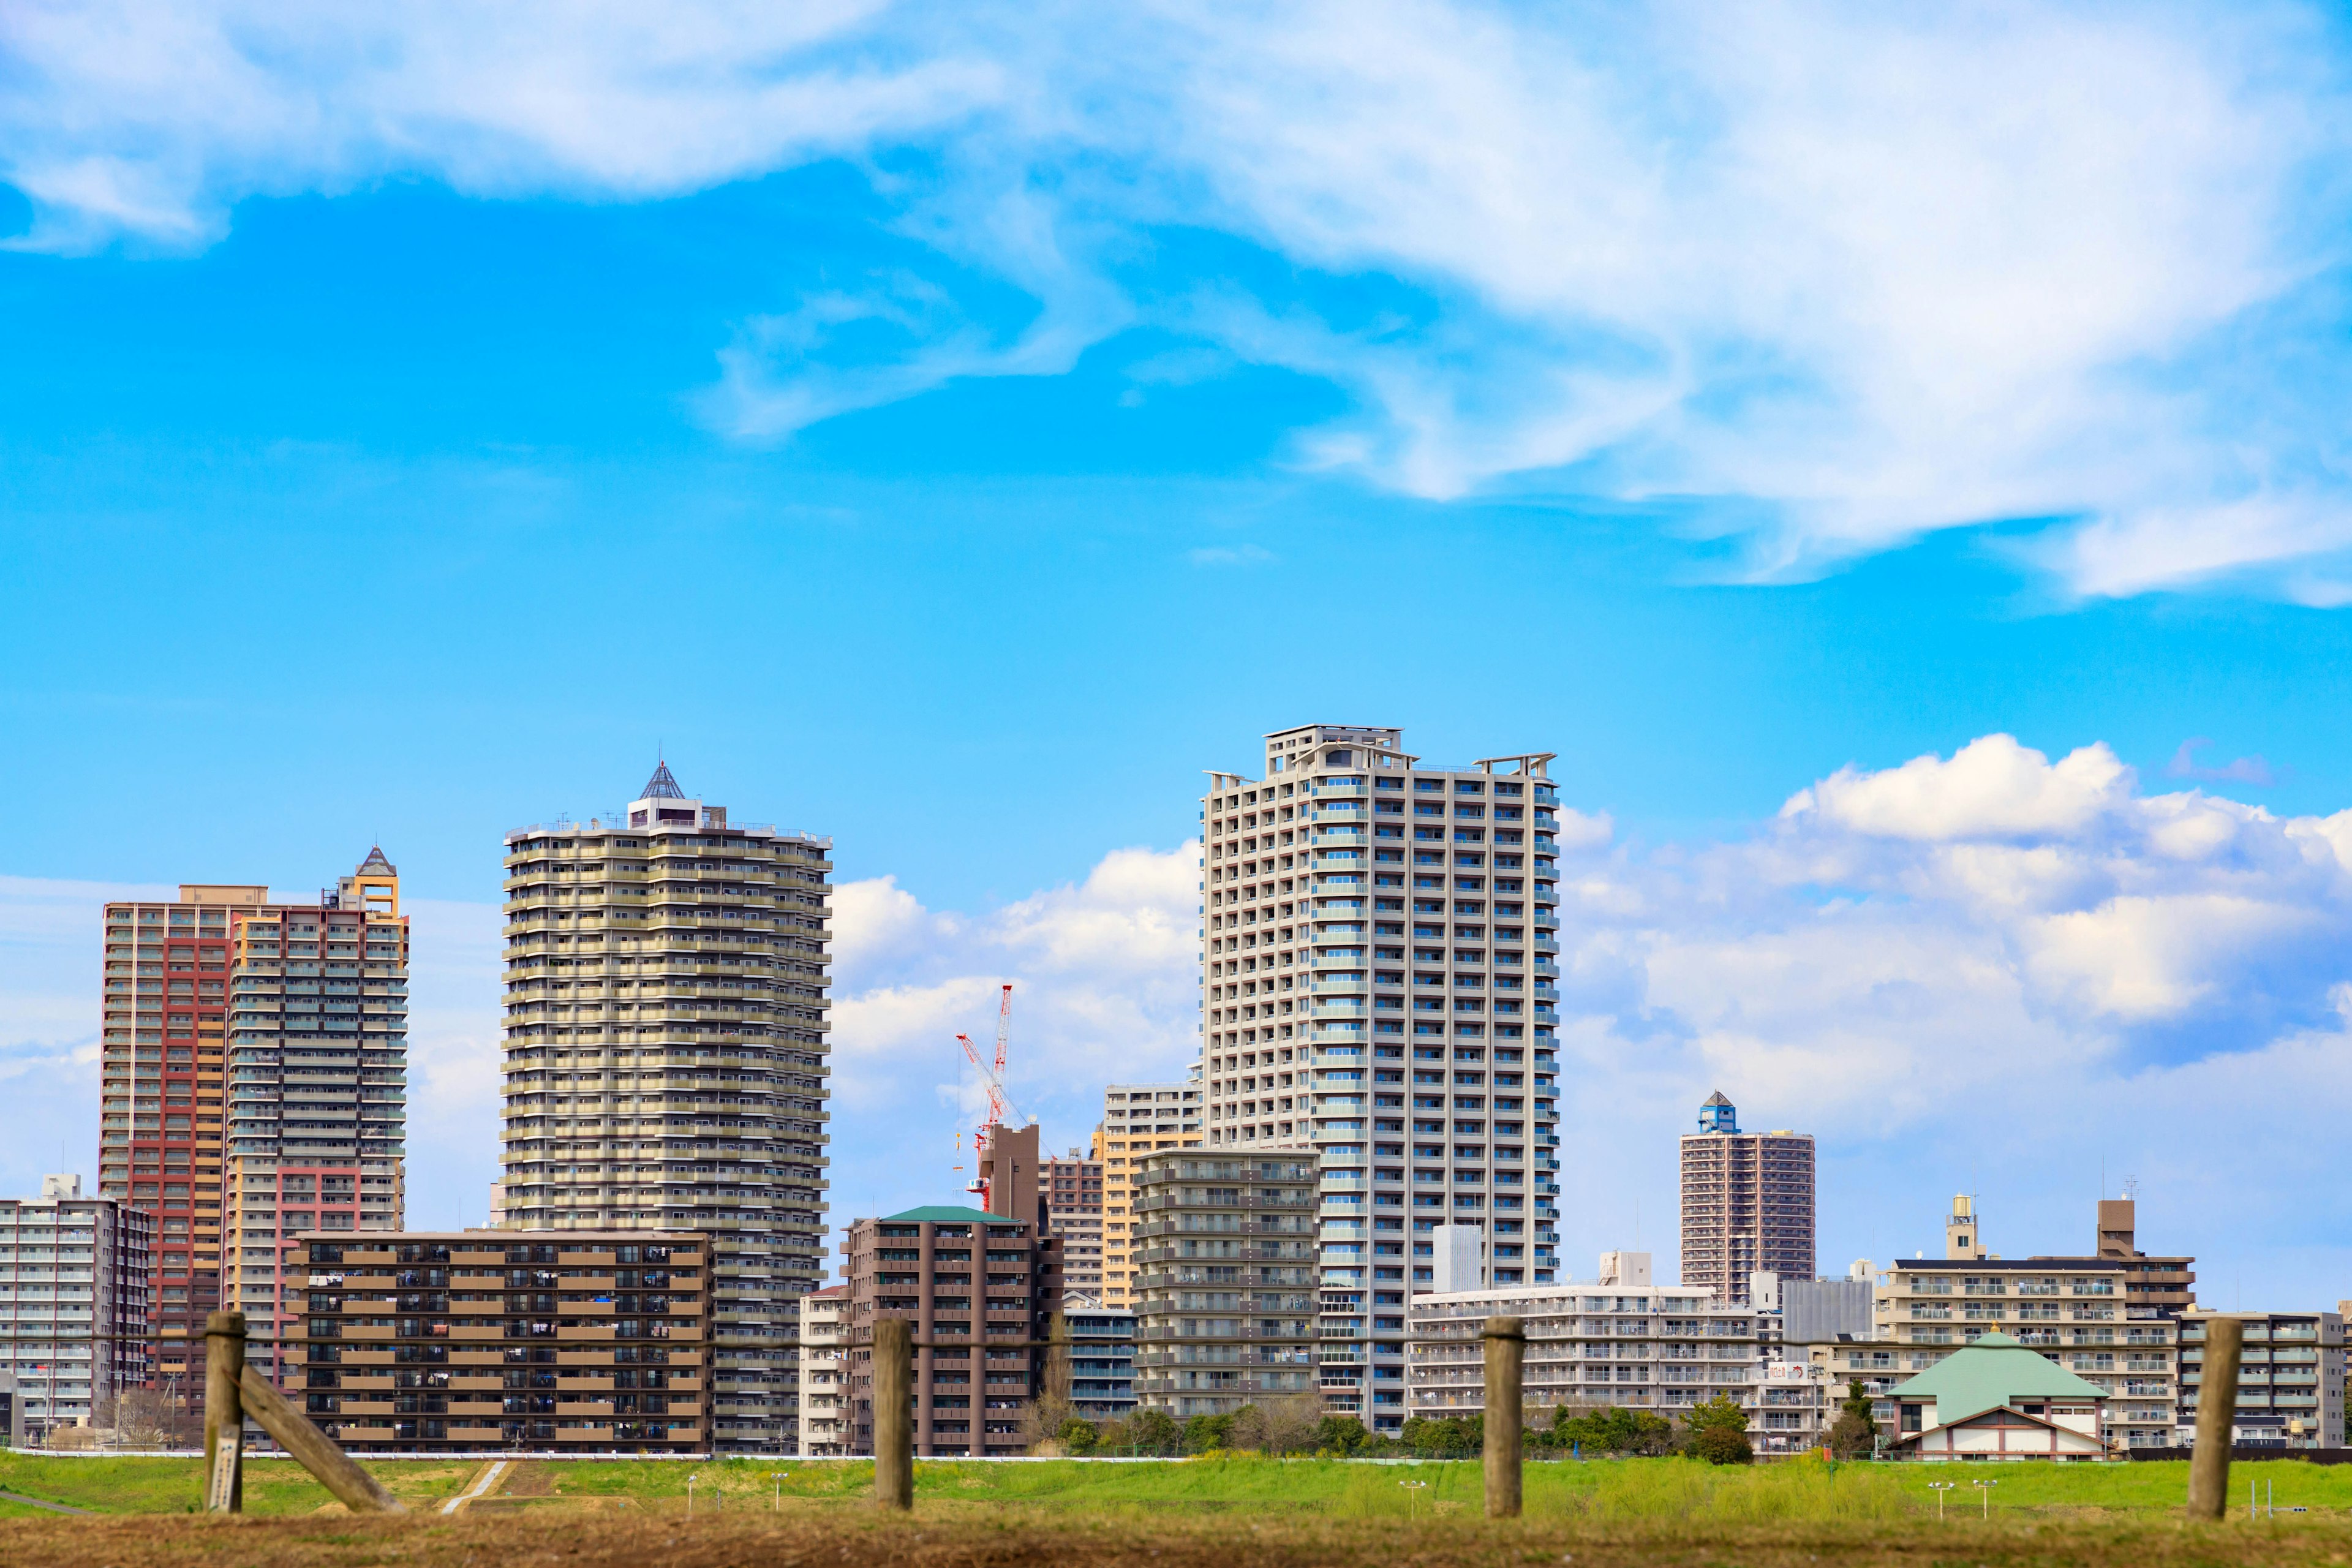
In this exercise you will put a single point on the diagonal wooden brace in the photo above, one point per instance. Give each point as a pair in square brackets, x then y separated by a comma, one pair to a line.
[319, 1454]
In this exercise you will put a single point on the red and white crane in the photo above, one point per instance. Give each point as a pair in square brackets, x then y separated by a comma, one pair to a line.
[1000, 1109]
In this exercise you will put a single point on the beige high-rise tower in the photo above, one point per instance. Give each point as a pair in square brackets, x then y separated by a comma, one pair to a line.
[1380, 936]
[666, 1062]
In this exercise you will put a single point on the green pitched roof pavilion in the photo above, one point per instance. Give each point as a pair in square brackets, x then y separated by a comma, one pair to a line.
[1989, 1372]
[946, 1214]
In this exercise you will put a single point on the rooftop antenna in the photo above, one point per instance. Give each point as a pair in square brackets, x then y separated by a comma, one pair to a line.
[2131, 1188]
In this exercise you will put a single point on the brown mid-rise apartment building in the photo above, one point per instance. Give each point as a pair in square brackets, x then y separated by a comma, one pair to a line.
[1747, 1203]
[981, 1291]
[485, 1341]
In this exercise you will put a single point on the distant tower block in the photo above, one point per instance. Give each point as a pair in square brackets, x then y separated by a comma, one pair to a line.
[1747, 1203]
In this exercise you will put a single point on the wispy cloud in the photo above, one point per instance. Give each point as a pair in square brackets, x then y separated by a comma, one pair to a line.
[2255, 770]
[1857, 273]
[1230, 555]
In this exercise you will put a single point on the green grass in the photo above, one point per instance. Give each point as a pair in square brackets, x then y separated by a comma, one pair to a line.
[142, 1484]
[1602, 1492]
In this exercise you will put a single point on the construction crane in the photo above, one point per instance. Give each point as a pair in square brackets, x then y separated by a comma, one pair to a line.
[1000, 1109]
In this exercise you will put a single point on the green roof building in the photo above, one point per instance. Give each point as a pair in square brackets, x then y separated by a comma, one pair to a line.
[1999, 1398]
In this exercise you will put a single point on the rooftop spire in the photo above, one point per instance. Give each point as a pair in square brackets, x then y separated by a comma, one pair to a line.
[661, 787]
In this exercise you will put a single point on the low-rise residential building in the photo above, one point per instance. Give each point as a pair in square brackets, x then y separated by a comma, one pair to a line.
[1224, 1271]
[469, 1341]
[1792, 1408]
[1138, 1119]
[2112, 1318]
[823, 1432]
[1997, 1399]
[1662, 1348]
[1102, 1359]
[74, 1304]
[2071, 1310]
[2290, 1379]
[1073, 1189]
[981, 1291]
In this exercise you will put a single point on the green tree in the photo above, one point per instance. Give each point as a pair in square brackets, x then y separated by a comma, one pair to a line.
[1079, 1435]
[1342, 1434]
[1153, 1432]
[1610, 1430]
[1459, 1437]
[1854, 1435]
[1718, 1432]
[1203, 1432]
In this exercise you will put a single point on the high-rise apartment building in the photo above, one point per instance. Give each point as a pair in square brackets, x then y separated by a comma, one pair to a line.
[1074, 1215]
[1137, 1119]
[160, 1121]
[74, 1276]
[318, 1075]
[1378, 985]
[666, 1062]
[1747, 1203]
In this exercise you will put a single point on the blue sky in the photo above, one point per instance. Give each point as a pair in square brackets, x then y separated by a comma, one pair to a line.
[952, 430]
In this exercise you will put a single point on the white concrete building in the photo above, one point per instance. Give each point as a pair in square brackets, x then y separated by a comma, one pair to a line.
[824, 1415]
[1661, 1348]
[73, 1302]
[1379, 951]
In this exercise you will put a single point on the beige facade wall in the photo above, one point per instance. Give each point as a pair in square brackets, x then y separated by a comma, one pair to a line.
[1138, 1119]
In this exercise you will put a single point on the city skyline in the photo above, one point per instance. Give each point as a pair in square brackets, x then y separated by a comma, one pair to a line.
[902, 972]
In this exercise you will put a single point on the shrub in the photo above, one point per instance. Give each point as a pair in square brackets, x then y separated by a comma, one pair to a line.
[1079, 1437]
[1721, 1445]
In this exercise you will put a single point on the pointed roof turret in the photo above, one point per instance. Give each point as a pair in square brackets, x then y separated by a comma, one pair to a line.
[661, 787]
[376, 862]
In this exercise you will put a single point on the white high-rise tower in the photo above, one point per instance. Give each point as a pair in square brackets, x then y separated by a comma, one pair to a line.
[1379, 956]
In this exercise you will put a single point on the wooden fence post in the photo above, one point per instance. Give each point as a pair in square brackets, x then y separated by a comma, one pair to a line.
[1506, 1348]
[224, 1413]
[2217, 1415]
[894, 1423]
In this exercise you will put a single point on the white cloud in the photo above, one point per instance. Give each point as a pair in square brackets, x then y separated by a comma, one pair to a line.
[1990, 788]
[1863, 271]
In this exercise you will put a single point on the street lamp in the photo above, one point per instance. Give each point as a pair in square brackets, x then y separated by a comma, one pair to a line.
[778, 1476]
[1984, 1490]
[1939, 1489]
[1412, 1497]
[692, 1477]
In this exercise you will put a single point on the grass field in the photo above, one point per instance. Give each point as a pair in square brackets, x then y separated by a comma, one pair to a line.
[1207, 1512]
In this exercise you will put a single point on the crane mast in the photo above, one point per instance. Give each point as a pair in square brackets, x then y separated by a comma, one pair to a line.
[992, 1078]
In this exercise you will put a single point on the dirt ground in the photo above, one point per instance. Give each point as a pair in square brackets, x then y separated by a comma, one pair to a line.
[627, 1540]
